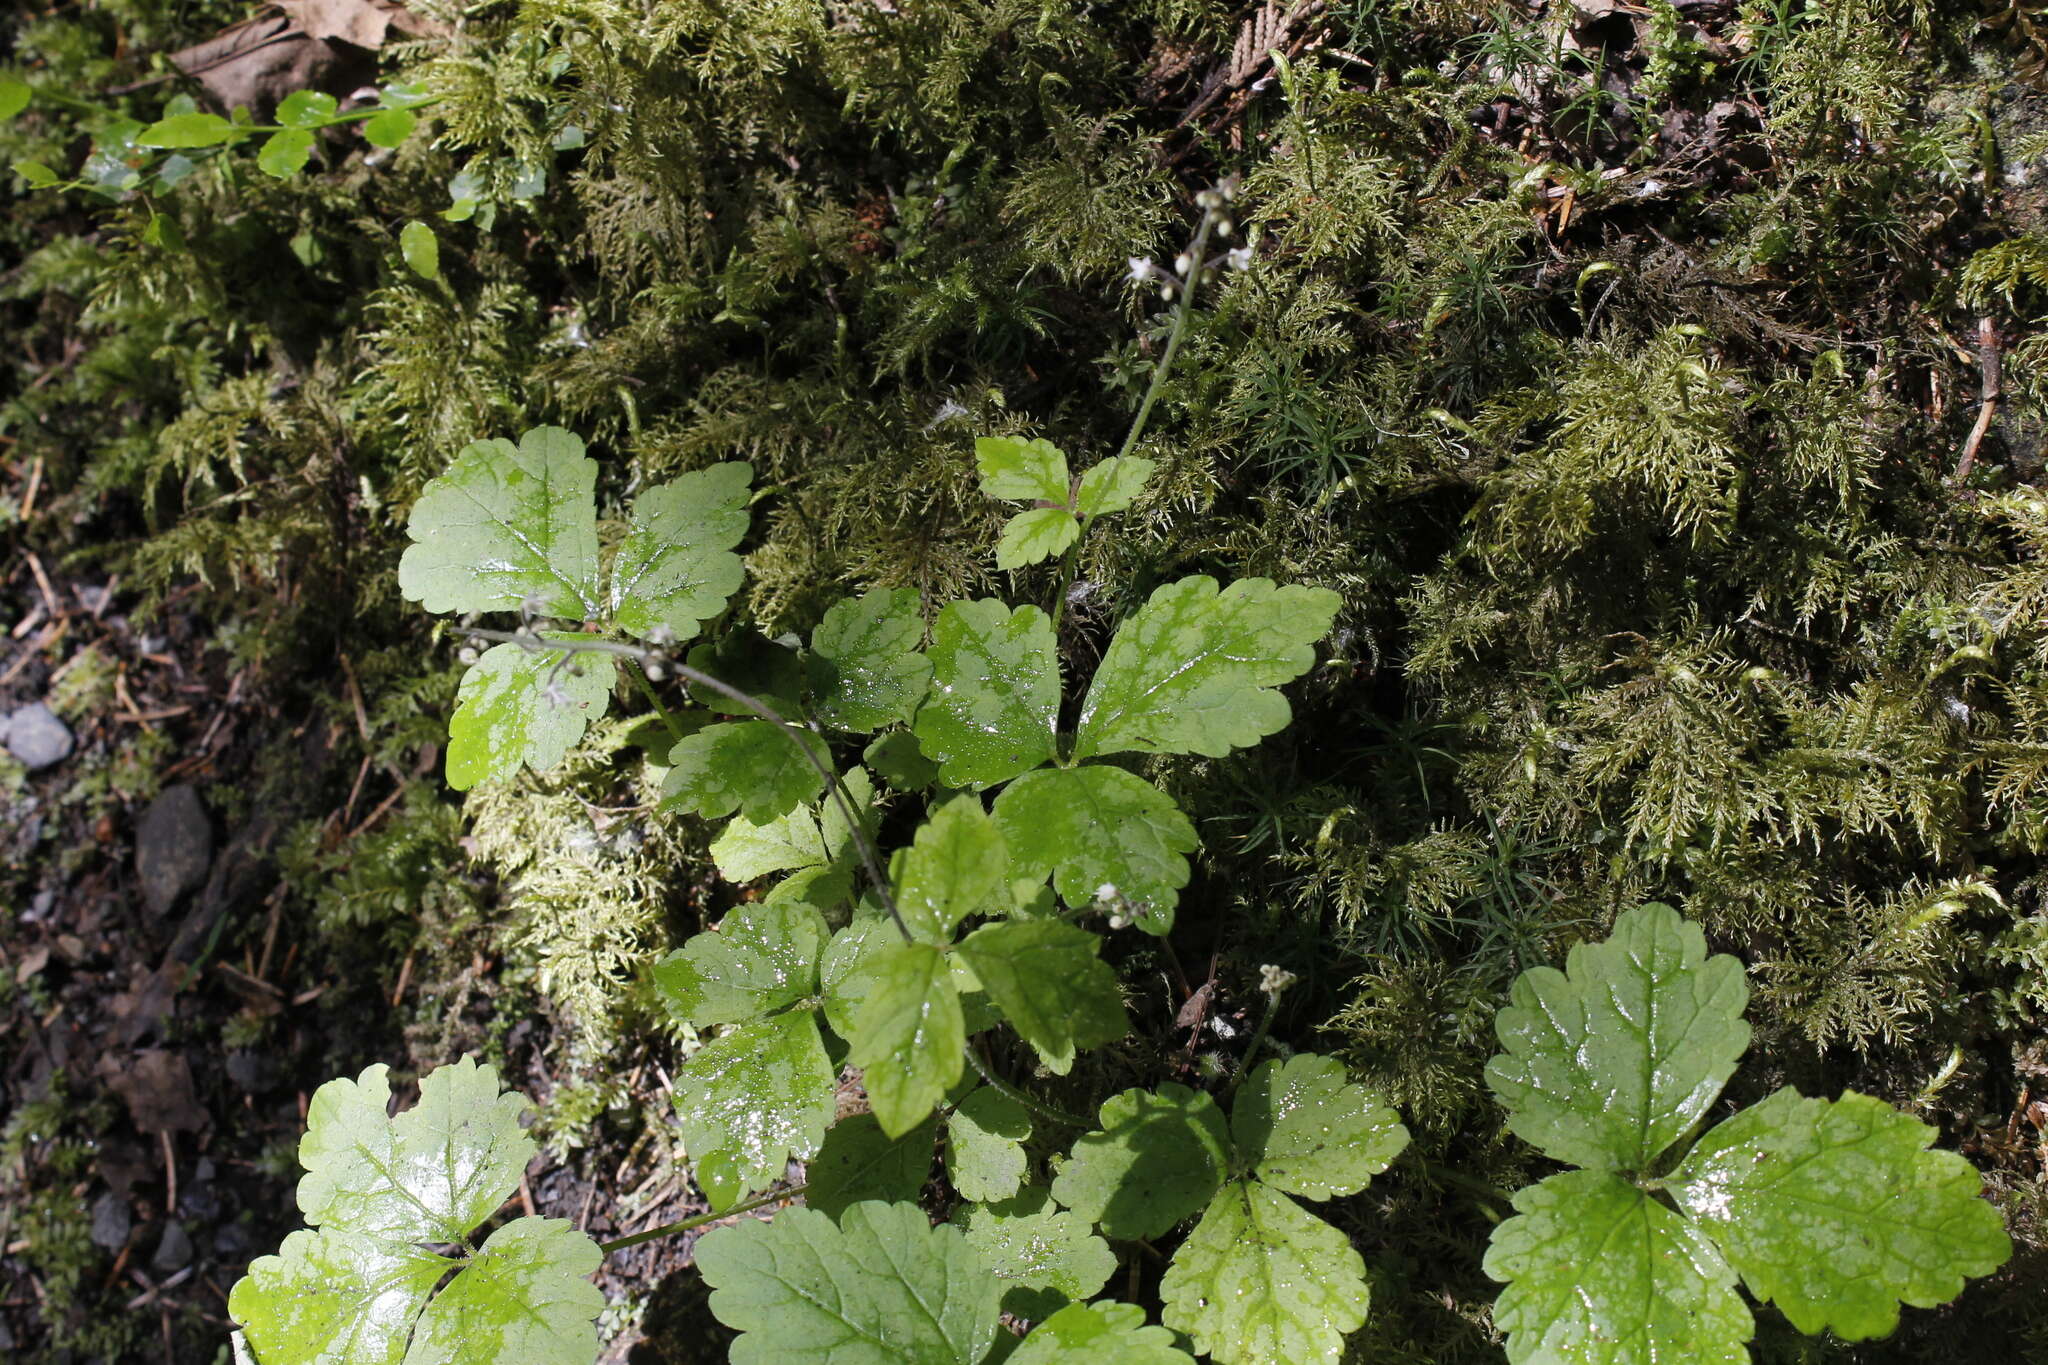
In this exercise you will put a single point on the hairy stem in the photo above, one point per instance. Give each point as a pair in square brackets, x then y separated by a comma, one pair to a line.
[1039, 1107]
[702, 1219]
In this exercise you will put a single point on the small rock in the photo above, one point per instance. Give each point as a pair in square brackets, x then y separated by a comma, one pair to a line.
[174, 1252]
[111, 1221]
[173, 847]
[37, 737]
[232, 1244]
[253, 1071]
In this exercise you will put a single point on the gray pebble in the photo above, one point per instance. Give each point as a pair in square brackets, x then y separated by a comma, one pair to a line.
[110, 1221]
[173, 847]
[37, 737]
[174, 1252]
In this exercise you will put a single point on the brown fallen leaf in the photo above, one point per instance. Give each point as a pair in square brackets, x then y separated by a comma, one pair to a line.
[156, 1085]
[301, 45]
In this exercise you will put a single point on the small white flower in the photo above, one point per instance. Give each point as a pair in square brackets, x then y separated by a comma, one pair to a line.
[1106, 891]
[1240, 258]
[1182, 262]
[1141, 269]
[1273, 980]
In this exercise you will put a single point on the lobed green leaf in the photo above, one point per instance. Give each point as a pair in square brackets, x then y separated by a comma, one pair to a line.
[1192, 671]
[1016, 470]
[859, 1162]
[985, 1137]
[865, 667]
[524, 707]
[1092, 1333]
[1158, 1157]
[1036, 536]
[909, 1035]
[762, 958]
[1046, 978]
[955, 866]
[995, 692]
[753, 766]
[676, 567]
[752, 1099]
[881, 1287]
[1097, 827]
[1303, 1127]
[1612, 1060]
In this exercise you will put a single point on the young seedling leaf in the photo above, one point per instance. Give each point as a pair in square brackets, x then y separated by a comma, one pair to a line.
[985, 1137]
[306, 108]
[1094, 827]
[284, 153]
[1014, 470]
[524, 1297]
[909, 1037]
[14, 95]
[881, 1287]
[1306, 1129]
[429, 1175]
[676, 567]
[1112, 485]
[332, 1296]
[1036, 536]
[518, 706]
[1158, 1157]
[1046, 1257]
[859, 1162]
[1092, 1333]
[1262, 1279]
[751, 1099]
[865, 667]
[954, 867]
[1837, 1211]
[761, 958]
[752, 766]
[1193, 671]
[389, 128]
[1599, 1273]
[1046, 978]
[187, 130]
[995, 692]
[1612, 1060]
[420, 249]
[508, 526]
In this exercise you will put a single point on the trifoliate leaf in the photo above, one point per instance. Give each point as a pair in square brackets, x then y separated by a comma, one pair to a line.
[356, 1292]
[909, 1037]
[859, 1161]
[284, 154]
[523, 1297]
[1261, 1281]
[1599, 1273]
[751, 1099]
[753, 766]
[1610, 1061]
[761, 958]
[1093, 827]
[1193, 671]
[187, 130]
[1091, 1333]
[995, 692]
[420, 249]
[1157, 1158]
[1112, 485]
[505, 526]
[1022, 471]
[335, 1298]
[865, 667]
[841, 970]
[1036, 536]
[1046, 1258]
[676, 567]
[520, 706]
[1304, 1128]
[985, 1136]
[430, 1174]
[1045, 977]
[898, 761]
[880, 1288]
[955, 867]
[1837, 1211]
